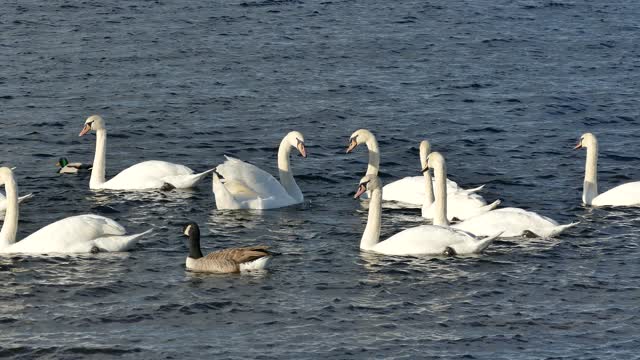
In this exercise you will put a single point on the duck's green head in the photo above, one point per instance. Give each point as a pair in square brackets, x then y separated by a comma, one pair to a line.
[62, 162]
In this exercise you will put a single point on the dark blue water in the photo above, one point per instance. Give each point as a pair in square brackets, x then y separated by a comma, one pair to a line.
[502, 88]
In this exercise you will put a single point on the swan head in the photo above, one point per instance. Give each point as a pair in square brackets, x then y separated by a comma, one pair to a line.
[425, 149]
[368, 183]
[296, 140]
[93, 122]
[62, 162]
[5, 174]
[358, 137]
[190, 228]
[586, 140]
[434, 159]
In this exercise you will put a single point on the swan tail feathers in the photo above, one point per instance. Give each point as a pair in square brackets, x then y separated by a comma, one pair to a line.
[493, 205]
[485, 242]
[25, 197]
[119, 243]
[474, 190]
[186, 181]
[560, 228]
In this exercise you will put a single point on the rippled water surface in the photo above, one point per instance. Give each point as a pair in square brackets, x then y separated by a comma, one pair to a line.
[502, 88]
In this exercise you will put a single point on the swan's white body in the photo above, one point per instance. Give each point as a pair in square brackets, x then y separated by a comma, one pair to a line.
[75, 234]
[623, 195]
[425, 239]
[512, 222]
[411, 192]
[153, 174]
[246, 186]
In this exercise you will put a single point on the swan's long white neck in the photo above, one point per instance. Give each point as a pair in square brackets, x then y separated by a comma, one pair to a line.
[590, 186]
[371, 235]
[284, 168]
[99, 160]
[428, 184]
[374, 156]
[440, 215]
[10, 226]
[428, 191]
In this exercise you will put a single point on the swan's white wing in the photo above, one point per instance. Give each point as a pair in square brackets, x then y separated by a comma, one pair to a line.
[623, 195]
[511, 221]
[72, 234]
[252, 177]
[146, 175]
[118, 243]
[3, 201]
[427, 239]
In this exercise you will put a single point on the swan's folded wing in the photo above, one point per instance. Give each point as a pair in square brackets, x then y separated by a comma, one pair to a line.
[256, 179]
[623, 195]
[425, 239]
[146, 175]
[75, 232]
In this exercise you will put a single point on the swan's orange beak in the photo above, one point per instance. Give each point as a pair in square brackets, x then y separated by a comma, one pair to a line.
[85, 129]
[579, 146]
[352, 145]
[302, 149]
[361, 189]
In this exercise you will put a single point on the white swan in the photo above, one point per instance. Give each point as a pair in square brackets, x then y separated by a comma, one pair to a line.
[75, 234]
[153, 174]
[247, 186]
[426, 239]
[513, 222]
[410, 192]
[622, 195]
[460, 204]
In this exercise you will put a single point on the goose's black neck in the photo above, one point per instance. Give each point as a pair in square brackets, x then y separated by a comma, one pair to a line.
[194, 242]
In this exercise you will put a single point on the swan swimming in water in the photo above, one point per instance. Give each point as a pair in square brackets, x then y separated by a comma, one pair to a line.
[622, 195]
[246, 186]
[411, 191]
[75, 234]
[437, 239]
[153, 174]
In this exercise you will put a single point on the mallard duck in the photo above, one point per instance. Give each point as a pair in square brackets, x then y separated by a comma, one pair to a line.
[71, 168]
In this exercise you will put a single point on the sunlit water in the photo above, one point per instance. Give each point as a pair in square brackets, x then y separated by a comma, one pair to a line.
[503, 89]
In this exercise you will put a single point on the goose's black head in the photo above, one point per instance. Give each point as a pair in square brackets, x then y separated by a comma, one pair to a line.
[192, 231]
[190, 228]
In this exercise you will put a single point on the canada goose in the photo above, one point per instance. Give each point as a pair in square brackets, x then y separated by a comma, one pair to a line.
[231, 260]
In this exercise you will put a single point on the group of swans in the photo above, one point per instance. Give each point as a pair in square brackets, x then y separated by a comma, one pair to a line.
[412, 191]
[240, 185]
[245, 186]
[462, 238]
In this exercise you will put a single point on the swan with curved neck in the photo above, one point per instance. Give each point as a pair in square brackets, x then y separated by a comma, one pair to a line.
[232, 260]
[622, 195]
[436, 239]
[247, 186]
[153, 174]
[411, 192]
[75, 234]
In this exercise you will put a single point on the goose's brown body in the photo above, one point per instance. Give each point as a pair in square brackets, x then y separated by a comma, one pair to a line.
[227, 260]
